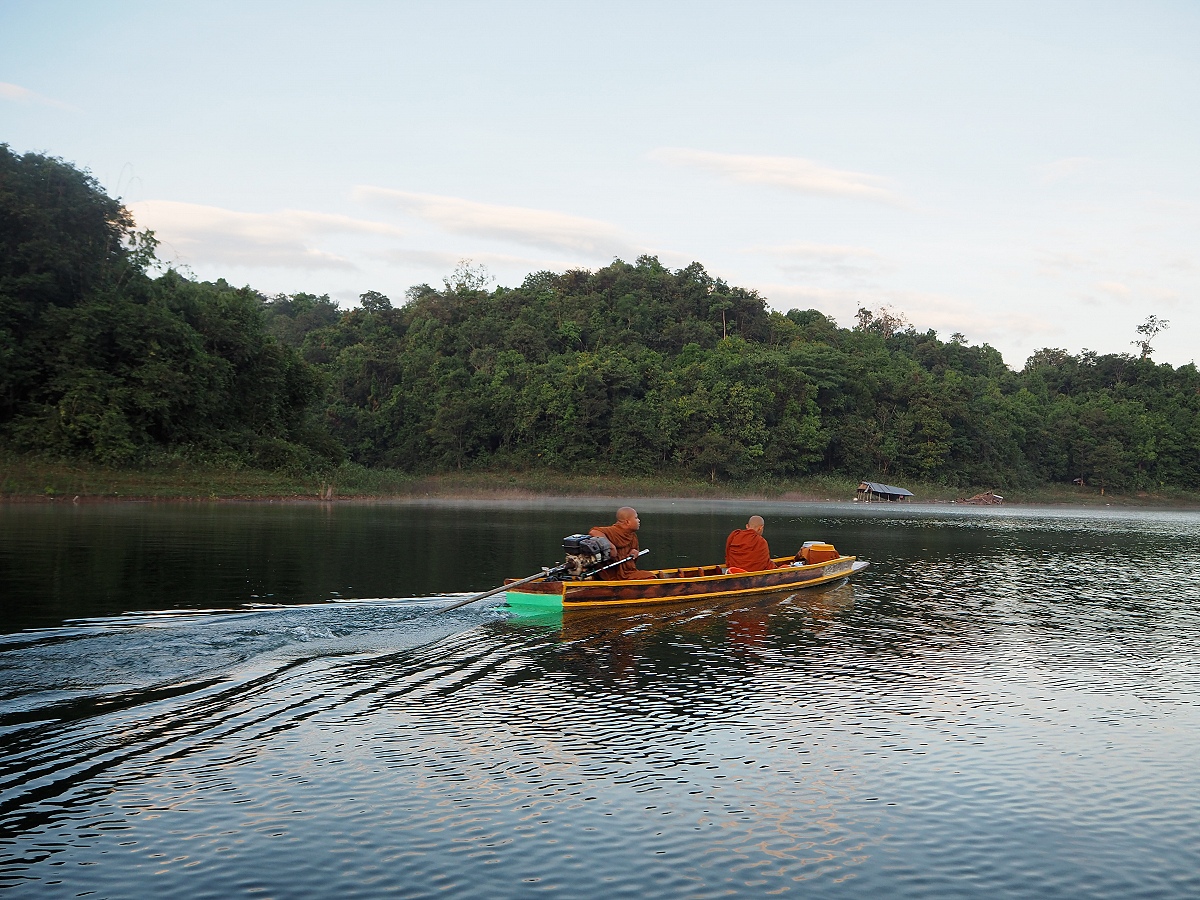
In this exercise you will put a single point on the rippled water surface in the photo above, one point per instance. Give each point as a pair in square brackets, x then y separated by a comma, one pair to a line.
[231, 700]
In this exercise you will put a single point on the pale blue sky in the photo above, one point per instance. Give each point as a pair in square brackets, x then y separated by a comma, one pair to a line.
[1025, 173]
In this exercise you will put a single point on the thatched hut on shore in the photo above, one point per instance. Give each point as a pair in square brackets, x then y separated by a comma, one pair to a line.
[874, 491]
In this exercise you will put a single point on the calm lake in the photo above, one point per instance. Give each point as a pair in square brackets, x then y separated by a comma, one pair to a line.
[255, 700]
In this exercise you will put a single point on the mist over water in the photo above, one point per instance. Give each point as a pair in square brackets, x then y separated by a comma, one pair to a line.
[219, 700]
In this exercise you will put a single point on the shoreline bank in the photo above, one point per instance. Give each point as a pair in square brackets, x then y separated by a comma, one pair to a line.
[34, 481]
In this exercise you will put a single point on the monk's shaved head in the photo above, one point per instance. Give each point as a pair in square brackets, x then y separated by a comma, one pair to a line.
[627, 518]
[755, 522]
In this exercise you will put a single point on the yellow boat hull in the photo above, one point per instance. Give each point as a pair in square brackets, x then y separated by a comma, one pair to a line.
[683, 584]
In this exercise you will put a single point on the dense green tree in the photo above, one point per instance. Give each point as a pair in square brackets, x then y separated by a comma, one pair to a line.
[638, 368]
[289, 319]
[99, 360]
[632, 367]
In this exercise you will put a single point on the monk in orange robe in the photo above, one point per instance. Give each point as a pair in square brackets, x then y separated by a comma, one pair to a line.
[623, 536]
[747, 549]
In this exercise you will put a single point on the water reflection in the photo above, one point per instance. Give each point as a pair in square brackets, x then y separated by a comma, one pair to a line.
[1005, 703]
[607, 644]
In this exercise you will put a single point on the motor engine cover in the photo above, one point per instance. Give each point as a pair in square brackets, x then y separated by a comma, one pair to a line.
[585, 552]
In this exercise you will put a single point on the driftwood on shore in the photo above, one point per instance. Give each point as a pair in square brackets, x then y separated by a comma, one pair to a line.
[987, 498]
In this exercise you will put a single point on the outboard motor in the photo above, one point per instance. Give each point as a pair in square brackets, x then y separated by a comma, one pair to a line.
[585, 553]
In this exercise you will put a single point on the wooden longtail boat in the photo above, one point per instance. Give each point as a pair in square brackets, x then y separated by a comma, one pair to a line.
[677, 585]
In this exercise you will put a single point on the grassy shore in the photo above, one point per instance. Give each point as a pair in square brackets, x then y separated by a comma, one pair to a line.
[33, 480]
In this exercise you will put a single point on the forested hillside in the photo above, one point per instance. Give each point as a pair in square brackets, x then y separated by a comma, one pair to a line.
[633, 368]
[98, 360]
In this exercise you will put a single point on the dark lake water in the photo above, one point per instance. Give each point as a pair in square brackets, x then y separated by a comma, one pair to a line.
[255, 700]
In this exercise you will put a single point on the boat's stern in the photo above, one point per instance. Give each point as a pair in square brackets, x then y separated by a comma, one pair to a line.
[538, 595]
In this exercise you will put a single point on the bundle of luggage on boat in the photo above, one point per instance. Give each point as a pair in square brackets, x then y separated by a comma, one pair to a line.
[813, 552]
[584, 553]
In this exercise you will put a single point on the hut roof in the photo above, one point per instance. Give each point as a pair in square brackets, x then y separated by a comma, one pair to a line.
[876, 487]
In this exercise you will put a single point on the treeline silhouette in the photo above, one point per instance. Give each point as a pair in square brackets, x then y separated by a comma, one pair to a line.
[630, 369]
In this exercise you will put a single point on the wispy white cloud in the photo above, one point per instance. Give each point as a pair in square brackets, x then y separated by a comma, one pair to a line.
[1136, 293]
[534, 227]
[442, 262]
[1114, 288]
[832, 259]
[1068, 167]
[20, 94]
[925, 310]
[831, 301]
[1058, 263]
[790, 172]
[290, 238]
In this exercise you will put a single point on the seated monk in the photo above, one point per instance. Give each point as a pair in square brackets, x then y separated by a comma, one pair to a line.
[747, 549]
[623, 536]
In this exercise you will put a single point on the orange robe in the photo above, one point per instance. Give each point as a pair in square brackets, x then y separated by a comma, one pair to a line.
[624, 544]
[747, 549]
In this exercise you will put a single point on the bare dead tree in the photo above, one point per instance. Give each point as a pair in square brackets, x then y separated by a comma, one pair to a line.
[1149, 330]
